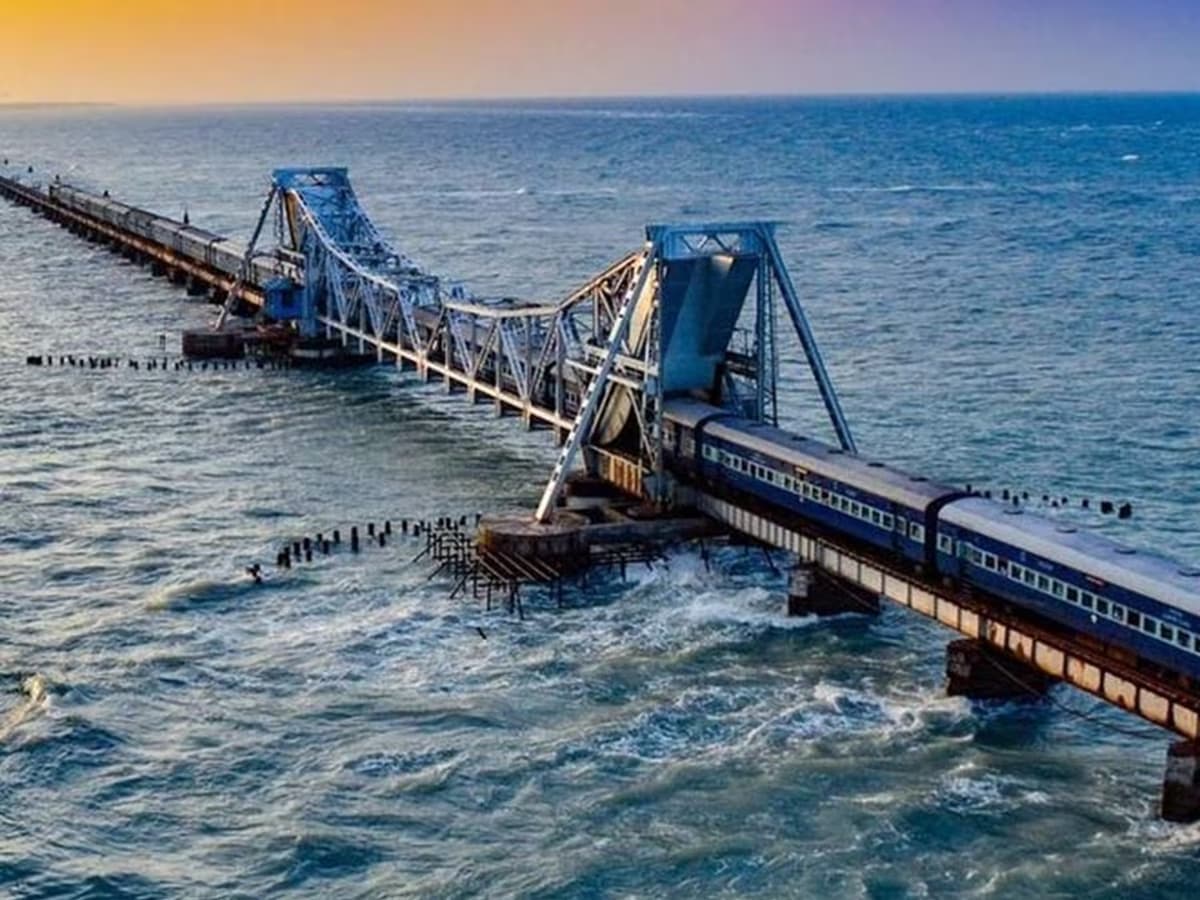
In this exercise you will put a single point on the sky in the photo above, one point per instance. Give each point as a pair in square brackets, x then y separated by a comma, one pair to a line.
[217, 51]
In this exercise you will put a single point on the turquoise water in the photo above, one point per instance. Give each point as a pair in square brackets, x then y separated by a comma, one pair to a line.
[1005, 293]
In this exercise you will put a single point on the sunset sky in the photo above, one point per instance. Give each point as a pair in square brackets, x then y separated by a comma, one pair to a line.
[168, 51]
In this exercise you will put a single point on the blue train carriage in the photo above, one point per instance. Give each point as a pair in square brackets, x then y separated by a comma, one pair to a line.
[194, 242]
[226, 256]
[846, 493]
[1134, 600]
[682, 418]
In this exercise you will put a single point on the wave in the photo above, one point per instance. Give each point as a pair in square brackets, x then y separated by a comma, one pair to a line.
[199, 592]
[914, 189]
[989, 792]
[36, 689]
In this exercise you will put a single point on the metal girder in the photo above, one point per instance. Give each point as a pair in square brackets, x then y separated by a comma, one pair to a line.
[595, 389]
[809, 343]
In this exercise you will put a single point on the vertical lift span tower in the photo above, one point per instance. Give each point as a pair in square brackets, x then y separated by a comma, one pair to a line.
[673, 335]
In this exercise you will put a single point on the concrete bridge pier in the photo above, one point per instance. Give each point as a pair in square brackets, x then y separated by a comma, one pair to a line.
[196, 287]
[975, 670]
[814, 592]
[1181, 783]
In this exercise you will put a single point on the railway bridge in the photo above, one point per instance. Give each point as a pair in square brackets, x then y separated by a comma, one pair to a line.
[692, 312]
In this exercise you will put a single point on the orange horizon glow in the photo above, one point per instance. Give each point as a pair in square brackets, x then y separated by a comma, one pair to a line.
[170, 51]
[214, 51]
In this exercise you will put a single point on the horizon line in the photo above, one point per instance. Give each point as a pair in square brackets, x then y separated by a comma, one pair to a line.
[551, 98]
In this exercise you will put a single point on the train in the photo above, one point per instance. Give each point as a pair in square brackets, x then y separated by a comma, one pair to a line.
[196, 244]
[1136, 601]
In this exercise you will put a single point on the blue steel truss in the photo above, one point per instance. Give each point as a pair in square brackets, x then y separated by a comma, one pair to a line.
[596, 365]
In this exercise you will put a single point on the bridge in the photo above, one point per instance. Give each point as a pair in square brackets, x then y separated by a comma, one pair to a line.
[693, 311]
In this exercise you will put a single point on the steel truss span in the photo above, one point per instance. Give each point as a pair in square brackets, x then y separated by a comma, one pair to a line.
[595, 365]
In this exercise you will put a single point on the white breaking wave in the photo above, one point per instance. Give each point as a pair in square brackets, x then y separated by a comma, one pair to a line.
[37, 701]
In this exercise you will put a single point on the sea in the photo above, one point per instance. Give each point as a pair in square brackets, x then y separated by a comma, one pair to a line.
[1005, 291]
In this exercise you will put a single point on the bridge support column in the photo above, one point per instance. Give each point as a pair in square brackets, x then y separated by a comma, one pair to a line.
[976, 671]
[196, 287]
[1181, 783]
[157, 269]
[814, 592]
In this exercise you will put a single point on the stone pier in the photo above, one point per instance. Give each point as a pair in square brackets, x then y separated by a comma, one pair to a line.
[814, 592]
[977, 671]
[1181, 783]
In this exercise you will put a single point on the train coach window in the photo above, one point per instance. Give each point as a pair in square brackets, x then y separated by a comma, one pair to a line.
[888, 522]
[1183, 639]
[1056, 588]
[1030, 577]
[1118, 612]
[1133, 619]
[876, 517]
[1149, 625]
[1167, 633]
[1102, 606]
[1043, 583]
[1072, 594]
[989, 561]
[1087, 600]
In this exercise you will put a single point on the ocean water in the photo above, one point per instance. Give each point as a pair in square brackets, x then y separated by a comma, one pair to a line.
[1005, 291]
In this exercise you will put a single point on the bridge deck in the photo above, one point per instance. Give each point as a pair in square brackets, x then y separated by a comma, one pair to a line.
[495, 350]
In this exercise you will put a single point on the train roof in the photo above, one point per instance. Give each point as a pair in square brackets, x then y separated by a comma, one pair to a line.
[1142, 572]
[195, 230]
[689, 412]
[914, 491]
